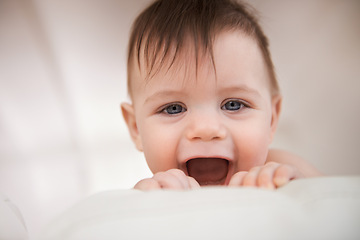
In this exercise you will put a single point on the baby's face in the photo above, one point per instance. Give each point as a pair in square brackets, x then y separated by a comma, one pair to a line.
[209, 127]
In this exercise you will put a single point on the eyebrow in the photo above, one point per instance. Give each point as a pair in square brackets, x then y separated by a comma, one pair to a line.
[163, 94]
[242, 88]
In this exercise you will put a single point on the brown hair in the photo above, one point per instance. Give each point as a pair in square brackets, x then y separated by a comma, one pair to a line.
[165, 24]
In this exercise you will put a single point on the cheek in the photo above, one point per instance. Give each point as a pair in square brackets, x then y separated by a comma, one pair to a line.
[159, 145]
[252, 143]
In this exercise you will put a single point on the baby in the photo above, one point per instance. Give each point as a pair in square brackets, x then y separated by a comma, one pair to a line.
[205, 99]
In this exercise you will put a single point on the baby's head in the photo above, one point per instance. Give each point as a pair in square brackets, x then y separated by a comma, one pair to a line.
[204, 94]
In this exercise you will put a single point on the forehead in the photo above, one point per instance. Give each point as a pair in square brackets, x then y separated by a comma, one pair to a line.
[233, 55]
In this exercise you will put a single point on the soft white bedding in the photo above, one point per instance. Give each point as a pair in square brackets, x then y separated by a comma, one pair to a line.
[12, 226]
[318, 208]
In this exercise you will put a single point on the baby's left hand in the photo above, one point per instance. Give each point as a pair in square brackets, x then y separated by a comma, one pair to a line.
[272, 175]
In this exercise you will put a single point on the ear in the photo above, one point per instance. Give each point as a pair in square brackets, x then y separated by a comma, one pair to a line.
[275, 114]
[129, 117]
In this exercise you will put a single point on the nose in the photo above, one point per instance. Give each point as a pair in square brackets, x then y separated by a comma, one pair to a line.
[206, 127]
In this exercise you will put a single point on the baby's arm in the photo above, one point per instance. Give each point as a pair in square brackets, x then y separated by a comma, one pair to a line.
[283, 157]
[171, 179]
[280, 168]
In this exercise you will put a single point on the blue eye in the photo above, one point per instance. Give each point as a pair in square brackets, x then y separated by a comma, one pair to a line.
[174, 109]
[233, 105]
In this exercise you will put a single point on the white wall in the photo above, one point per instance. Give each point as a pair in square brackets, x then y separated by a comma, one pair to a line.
[63, 76]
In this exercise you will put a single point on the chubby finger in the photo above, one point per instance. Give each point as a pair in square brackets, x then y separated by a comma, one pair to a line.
[147, 184]
[186, 181]
[181, 177]
[237, 178]
[284, 173]
[250, 179]
[266, 175]
[193, 183]
[168, 180]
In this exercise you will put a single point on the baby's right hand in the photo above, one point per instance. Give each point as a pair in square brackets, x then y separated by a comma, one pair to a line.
[171, 179]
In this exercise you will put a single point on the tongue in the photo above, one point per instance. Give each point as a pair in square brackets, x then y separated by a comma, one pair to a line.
[208, 171]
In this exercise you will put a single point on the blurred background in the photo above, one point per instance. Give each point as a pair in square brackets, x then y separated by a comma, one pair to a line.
[63, 77]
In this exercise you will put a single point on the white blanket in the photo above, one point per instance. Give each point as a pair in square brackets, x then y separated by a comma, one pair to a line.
[317, 208]
[12, 225]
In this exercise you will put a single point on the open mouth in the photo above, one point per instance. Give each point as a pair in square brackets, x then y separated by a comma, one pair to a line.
[208, 171]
